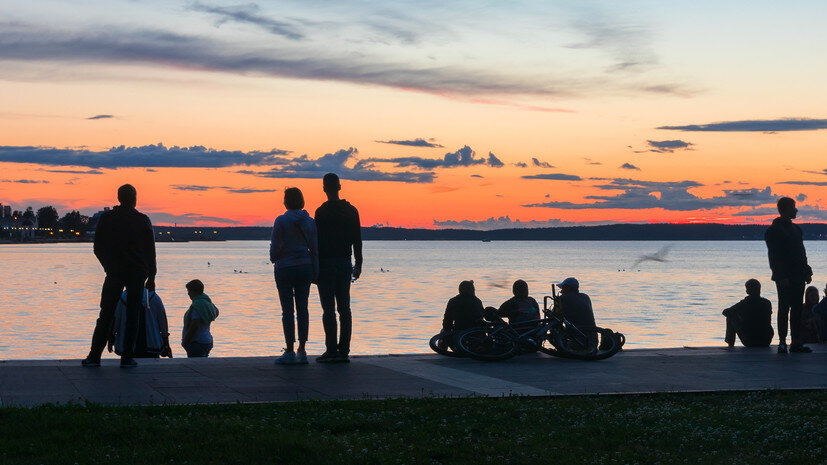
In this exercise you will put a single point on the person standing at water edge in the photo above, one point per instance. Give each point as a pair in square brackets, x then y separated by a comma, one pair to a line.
[339, 233]
[125, 247]
[790, 271]
[296, 265]
[197, 339]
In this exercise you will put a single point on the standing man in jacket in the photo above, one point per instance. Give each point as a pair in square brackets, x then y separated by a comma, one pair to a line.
[790, 271]
[125, 247]
[337, 223]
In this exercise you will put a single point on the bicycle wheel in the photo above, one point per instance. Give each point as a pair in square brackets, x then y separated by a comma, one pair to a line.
[440, 346]
[486, 344]
[567, 346]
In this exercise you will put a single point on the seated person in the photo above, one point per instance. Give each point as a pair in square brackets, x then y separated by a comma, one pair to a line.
[820, 312]
[750, 319]
[197, 339]
[809, 321]
[521, 307]
[152, 340]
[463, 310]
[576, 307]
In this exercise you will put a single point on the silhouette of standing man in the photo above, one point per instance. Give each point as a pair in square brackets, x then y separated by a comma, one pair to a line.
[790, 271]
[339, 232]
[125, 247]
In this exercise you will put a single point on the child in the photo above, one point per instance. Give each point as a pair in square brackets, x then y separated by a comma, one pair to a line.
[197, 340]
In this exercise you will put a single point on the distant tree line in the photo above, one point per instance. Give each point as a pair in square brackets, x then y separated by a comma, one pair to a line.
[50, 223]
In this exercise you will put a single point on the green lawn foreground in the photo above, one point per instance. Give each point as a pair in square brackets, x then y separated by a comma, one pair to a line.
[750, 427]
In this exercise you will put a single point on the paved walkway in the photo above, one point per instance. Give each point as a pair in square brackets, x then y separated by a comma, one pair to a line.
[256, 379]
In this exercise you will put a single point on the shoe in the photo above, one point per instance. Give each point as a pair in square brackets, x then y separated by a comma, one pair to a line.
[301, 357]
[342, 358]
[128, 362]
[800, 349]
[89, 363]
[782, 348]
[327, 357]
[287, 358]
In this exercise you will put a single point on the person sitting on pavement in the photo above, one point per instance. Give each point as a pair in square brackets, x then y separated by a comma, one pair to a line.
[809, 324]
[153, 328]
[463, 310]
[576, 307]
[750, 319]
[820, 312]
[197, 339]
[520, 308]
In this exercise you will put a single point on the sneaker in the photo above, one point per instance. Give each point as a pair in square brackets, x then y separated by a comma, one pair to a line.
[327, 357]
[782, 348]
[128, 362]
[287, 358]
[301, 357]
[89, 363]
[800, 349]
[342, 358]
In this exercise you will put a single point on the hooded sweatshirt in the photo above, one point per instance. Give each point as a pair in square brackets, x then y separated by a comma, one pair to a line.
[294, 240]
[202, 309]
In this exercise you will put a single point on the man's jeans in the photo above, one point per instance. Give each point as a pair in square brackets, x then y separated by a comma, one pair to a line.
[790, 305]
[197, 349]
[334, 293]
[734, 328]
[293, 282]
[113, 286]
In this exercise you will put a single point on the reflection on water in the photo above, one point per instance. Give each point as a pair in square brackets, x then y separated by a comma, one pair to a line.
[50, 292]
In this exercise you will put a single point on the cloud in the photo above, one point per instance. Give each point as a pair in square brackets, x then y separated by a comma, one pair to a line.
[363, 170]
[805, 183]
[629, 166]
[801, 197]
[554, 177]
[145, 156]
[805, 212]
[672, 196]
[504, 222]
[767, 125]
[461, 158]
[188, 219]
[418, 142]
[100, 117]
[232, 190]
[668, 146]
[72, 171]
[521, 164]
[476, 176]
[24, 181]
[249, 14]
[541, 164]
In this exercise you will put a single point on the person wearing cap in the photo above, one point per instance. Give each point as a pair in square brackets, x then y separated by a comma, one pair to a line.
[577, 307]
[463, 310]
[750, 318]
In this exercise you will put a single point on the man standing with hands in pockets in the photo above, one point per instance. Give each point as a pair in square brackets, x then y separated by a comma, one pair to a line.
[339, 233]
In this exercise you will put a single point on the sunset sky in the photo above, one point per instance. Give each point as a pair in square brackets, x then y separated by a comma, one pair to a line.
[467, 114]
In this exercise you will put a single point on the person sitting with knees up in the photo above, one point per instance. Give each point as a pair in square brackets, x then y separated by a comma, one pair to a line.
[197, 339]
[520, 308]
[576, 307]
[463, 310]
[750, 319]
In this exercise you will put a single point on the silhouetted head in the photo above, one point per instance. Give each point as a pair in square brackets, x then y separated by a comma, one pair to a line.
[569, 285]
[786, 208]
[520, 288]
[331, 183]
[195, 288]
[753, 287]
[127, 196]
[293, 198]
[811, 296]
[467, 288]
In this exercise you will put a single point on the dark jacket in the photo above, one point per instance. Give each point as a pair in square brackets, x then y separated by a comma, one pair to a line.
[339, 231]
[753, 320]
[125, 243]
[785, 247]
[518, 310]
[577, 308]
[463, 311]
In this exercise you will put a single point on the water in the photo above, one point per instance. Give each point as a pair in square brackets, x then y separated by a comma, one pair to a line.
[50, 292]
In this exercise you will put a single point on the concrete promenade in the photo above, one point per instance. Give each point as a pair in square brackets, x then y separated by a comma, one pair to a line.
[257, 379]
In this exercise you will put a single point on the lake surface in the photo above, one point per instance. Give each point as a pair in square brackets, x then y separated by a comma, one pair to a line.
[49, 293]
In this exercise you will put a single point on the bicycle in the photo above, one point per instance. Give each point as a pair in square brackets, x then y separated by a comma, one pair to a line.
[553, 335]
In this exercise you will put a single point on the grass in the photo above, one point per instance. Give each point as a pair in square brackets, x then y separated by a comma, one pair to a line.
[755, 427]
